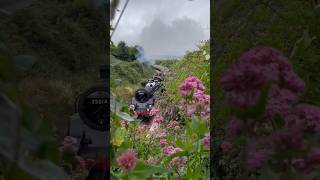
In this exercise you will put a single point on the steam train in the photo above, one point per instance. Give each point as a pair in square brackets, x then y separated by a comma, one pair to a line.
[144, 98]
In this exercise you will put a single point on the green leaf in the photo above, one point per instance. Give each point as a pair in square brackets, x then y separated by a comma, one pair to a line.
[125, 116]
[143, 170]
[179, 154]
[119, 136]
[267, 173]
[24, 62]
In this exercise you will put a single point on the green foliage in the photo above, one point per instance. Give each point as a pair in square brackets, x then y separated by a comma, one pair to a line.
[124, 52]
[60, 45]
[192, 64]
[166, 63]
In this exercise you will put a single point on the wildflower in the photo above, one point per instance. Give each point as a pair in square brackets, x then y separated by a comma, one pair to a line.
[191, 110]
[81, 162]
[309, 117]
[154, 111]
[182, 102]
[226, 146]
[123, 123]
[127, 161]
[152, 160]
[190, 85]
[68, 141]
[170, 150]
[206, 141]
[178, 163]
[141, 128]
[153, 128]
[157, 119]
[163, 142]
[233, 128]
[161, 133]
[256, 156]
[172, 124]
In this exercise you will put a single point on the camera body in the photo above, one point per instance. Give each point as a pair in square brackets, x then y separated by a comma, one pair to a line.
[90, 122]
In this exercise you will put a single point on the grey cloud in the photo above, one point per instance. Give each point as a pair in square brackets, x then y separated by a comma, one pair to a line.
[160, 39]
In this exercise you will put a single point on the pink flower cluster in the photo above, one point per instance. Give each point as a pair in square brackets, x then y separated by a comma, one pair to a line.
[173, 125]
[195, 99]
[191, 85]
[127, 161]
[154, 111]
[206, 141]
[157, 119]
[171, 150]
[257, 67]
[285, 124]
[176, 163]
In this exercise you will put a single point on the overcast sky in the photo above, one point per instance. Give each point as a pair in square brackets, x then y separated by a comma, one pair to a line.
[164, 27]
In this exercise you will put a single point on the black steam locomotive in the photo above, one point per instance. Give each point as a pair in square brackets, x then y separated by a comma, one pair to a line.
[90, 122]
[144, 98]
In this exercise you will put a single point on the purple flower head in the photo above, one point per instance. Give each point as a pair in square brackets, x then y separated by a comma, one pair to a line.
[233, 128]
[206, 141]
[242, 84]
[127, 161]
[157, 119]
[163, 142]
[154, 111]
[170, 150]
[257, 156]
[309, 116]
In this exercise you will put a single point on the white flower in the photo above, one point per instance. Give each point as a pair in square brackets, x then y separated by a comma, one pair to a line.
[207, 57]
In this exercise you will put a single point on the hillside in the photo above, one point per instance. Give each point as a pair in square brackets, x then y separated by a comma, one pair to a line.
[126, 77]
[65, 40]
[194, 63]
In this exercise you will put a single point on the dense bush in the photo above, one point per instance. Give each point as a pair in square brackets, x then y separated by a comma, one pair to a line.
[290, 26]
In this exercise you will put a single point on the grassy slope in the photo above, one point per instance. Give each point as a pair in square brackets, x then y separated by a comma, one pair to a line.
[67, 39]
[192, 64]
[127, 76]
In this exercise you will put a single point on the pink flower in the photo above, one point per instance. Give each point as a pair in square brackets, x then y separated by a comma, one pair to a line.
[243, 82]
[152, 160]
[197, 94]
[127, 161]
[233, 128]
[178, 163]
[163, 142]
[161, 133]
[190, 85]
[123, 123]
[69, 141]
[141, 128]
[81, 162]
[191, 110]
[226, 146]
[157, 119]
[172, 124]
[182, 102]
[256, 156]
[206, 141]
[154, 111]
[170, 150]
